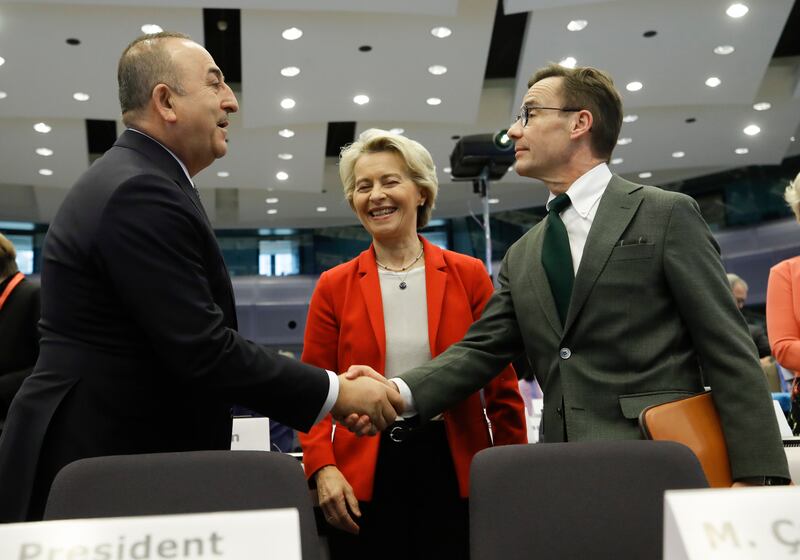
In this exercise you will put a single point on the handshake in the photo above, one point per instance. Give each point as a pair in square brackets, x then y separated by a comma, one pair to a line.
[367, 401]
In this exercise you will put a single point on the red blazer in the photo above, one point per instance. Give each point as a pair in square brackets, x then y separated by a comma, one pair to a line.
[345, 327]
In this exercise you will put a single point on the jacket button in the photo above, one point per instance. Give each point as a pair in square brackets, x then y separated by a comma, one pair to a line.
[565, 353]
[559, 411]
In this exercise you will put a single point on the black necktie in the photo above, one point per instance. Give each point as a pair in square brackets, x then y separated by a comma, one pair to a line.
[556, 256]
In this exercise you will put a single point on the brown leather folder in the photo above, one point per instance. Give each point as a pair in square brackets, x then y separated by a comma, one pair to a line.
[694, 422]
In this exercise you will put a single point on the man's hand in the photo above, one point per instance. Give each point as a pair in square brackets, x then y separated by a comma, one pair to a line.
[361, 424]
[375, 400]
[336, 499]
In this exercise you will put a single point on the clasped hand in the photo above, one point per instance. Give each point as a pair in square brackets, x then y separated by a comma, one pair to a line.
[367, 402]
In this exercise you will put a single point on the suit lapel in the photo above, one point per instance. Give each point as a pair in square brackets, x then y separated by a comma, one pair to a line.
[370, 285]
[538, 277]
[617, 207]
[435, 284]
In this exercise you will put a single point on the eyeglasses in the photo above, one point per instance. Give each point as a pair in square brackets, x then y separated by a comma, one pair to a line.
[525, 112]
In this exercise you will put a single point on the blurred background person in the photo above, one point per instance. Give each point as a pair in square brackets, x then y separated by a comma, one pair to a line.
[395, 306]
[739, 288]
[783, 309]
[19, 334]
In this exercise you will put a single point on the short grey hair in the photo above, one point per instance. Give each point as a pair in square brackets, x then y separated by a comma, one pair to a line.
[792, 196]
[416, 157]
[144, 64]
[734, 279]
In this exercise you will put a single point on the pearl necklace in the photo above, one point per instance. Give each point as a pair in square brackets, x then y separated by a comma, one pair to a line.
[406, 268]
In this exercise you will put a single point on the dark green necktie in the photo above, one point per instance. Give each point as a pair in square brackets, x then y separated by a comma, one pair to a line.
[556, 256]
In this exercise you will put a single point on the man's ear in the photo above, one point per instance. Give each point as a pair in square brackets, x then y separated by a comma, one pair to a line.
[582, 124]
[162, 98]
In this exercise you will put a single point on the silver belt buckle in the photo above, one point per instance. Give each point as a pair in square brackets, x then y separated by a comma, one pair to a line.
[398, 433]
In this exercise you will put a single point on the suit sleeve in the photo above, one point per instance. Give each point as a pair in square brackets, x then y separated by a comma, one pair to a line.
[725, 350]
[320, 348]
[504, 404]
[158, 253]
[783, 317]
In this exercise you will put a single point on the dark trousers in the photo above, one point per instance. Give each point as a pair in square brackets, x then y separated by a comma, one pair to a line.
[416, 511]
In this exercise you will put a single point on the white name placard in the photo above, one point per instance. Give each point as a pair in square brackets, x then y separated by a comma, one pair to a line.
[732, 523]
[264, 534]
[250, 434]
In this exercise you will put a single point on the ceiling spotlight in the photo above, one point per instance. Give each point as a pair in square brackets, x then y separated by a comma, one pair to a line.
[433, 101]
[2, 60]
[80, 96]
[290, 71]
[46, 172]
[446, 170]
[272, 211]
[678, 154]
[42, 127]
[285, 156]
[630, 118]
[361, 99]
[223, 174]
[286, 132]
[741, 151]
[737, 10]
[577, 25]
[752, 129]
[151, 28]
[645, 175]
[494, 201]
[322, 208]
[441, 32]
[271, 200]
[397, 130]
[617, 161]
[281, 175]
[762, 106]
[437, 69]
[568, 62]
[46, 152]
[291, 34]
[3, 95]
[713, 81]
[288, 103]
[634, 86]
[724, 49]
[791, 138]
[624, 141]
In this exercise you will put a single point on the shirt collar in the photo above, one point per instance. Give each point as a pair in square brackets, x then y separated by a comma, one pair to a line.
[587, 189]
[185, 171]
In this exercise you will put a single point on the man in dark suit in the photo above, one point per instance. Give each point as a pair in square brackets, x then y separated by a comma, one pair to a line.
[19, 335]
[739, 289]
[618, 296]
[139, 349]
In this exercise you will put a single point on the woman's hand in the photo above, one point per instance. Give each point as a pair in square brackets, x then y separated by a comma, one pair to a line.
[336, 498]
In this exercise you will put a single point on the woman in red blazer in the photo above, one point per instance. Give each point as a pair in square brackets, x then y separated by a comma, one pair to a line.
[398, 304]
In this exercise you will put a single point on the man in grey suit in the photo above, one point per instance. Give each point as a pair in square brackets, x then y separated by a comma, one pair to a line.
[618, 296]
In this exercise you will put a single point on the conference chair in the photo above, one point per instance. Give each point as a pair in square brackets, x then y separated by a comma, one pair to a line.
[585, 500]
[189, 482]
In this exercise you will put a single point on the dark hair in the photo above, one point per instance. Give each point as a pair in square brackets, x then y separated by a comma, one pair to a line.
[593, 90]
[144, 64]
[8, 257]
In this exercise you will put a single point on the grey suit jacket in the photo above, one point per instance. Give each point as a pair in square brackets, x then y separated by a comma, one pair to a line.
[651, 317]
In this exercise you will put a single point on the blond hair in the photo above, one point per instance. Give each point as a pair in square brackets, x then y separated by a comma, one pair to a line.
[8, 258]
[792, 196]
[417, 160]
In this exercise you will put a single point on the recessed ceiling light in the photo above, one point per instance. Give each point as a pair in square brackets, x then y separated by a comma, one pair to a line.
[617, 161]
[397, 130]
[762, 106]
[437, 69]
[713, 81]
[361, 99]
[441, 32]
[285, 156]
[80, 96]
[634, 86]
[151, 28]
[752, 129]
[322, 208]
[46, 152]
[42, 127]
[433, 101]
[741, 151]
[288, 103]
[568, 62]
[2, 60]
[446, 169]
[630, 118]
[724, 49]
[791, 138]
[223, 174]
[281, 175]
[678, 154]
[624, 141]
[577, 25]
[3, 95]
[272, 211]
[737, 10]
[291, 34]
[286, 132]
[290, 71]
[645, 175]
[46, 172]
[271, 200]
